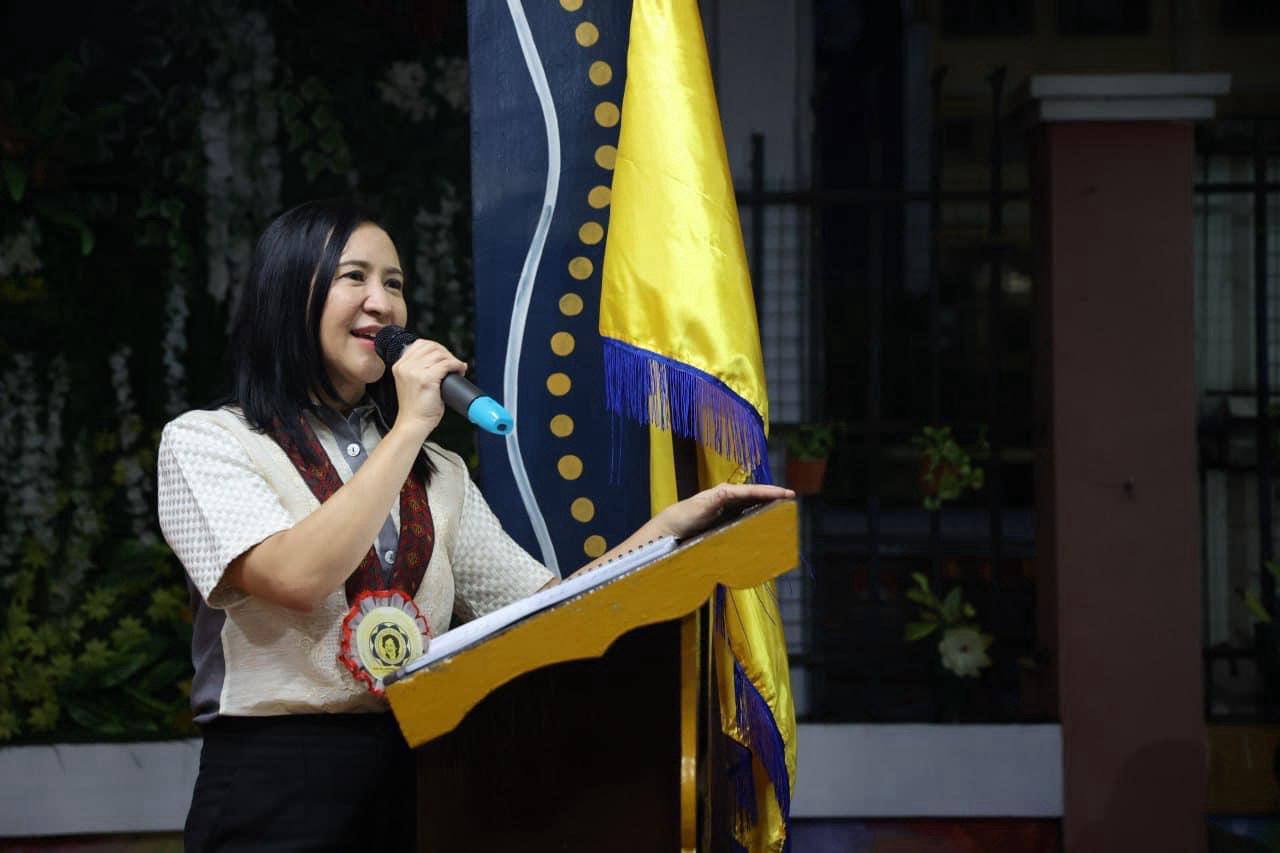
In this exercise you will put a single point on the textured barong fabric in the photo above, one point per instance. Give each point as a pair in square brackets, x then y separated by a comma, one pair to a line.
[223, 487]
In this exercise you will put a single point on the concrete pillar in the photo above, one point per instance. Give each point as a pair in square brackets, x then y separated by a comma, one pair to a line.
[1118, 516]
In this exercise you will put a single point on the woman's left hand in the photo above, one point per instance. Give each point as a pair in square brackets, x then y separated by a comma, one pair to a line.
[690, 516]
[695, 514]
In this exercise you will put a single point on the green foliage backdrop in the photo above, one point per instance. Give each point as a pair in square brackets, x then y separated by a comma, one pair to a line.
[142, 148]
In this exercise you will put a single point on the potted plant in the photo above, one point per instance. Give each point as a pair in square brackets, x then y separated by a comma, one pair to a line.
[947, 469]
[1267, 641]
[808, 446]
[962, 646]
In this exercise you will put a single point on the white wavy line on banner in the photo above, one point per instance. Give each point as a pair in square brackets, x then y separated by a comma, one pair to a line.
[524, 289]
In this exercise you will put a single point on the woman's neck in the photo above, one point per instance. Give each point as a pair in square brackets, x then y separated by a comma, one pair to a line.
[337, 404]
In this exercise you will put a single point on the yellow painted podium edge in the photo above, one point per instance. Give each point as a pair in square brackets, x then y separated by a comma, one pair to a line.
[743, 553]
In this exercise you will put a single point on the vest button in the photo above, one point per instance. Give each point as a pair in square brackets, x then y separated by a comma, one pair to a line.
[353, 449]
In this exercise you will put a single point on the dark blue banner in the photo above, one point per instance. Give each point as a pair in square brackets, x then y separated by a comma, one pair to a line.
[546, 93]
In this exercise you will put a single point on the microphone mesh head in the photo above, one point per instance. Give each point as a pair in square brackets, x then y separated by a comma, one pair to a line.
[390, 342]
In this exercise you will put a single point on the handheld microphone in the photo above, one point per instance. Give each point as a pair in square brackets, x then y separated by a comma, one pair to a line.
[456, 391]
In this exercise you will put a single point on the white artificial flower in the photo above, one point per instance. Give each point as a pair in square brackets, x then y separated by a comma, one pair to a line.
[964, 651]
[262, 42]
[17, 414]
[239, 125]
[443, 217]
[130, 423]
[239, 253]
[241, 140]
[215, 121]
[435, 261]
[128, 468]
[32, 438]
[85, 526]
[175, 347]
[407, 76]
[59, 391]
[45, 504]
[450, 82]
[31, 459]
[403, 90]
[18, 251]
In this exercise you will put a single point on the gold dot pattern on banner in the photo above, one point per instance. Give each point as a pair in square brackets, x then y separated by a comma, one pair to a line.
[599, 197]
[600, 73]
[571, 5]
[569, 466]
[607, 114]
[582, 510]
[571, 305]
[586, 34]
[562, 343]
[558, 384]
[562, 426]
[591, 233]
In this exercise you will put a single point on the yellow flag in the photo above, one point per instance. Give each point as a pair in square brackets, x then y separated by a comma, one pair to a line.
[749, 657]
[676, 307]
[682, 353]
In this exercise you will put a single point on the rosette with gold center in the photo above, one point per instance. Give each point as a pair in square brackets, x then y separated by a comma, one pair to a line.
[383, 631]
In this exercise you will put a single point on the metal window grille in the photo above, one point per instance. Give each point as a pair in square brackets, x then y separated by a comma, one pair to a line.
[933, 328]
[1103, 17]
[1238, 375]
[1250, 16]
[987, 17]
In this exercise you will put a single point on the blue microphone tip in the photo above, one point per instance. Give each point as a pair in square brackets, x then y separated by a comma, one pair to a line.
[490, 416]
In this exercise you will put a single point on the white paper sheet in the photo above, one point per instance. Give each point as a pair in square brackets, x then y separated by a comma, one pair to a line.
[468, 634]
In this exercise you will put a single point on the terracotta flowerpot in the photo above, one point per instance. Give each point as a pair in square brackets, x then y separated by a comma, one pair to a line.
[804, 476]
[931, 481]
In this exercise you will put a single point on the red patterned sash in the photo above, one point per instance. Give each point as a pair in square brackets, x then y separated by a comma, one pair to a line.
[417, 531]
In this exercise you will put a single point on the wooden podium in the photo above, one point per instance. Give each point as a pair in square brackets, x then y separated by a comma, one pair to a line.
[586, 726]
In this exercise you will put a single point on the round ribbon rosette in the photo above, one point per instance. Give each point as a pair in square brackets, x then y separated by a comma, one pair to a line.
[382, 632]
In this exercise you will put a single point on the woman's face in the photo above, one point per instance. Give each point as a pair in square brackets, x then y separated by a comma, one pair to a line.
[366, 294]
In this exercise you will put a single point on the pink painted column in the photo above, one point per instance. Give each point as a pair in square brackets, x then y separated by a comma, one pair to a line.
[1118, 515]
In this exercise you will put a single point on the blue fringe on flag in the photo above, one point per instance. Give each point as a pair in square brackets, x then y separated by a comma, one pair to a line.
[653, 389]
[754, 719]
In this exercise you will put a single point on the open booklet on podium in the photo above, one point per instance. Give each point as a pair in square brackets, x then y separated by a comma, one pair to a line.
[477, 630]
[585, 719]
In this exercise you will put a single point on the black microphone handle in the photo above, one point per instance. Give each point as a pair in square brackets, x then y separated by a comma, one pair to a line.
[456, 390]
[459, 393]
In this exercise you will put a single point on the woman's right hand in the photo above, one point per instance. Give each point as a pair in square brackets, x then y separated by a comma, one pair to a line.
[299, 567]
[418, 374]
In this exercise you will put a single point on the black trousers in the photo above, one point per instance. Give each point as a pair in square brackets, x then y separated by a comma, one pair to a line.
[304, 782]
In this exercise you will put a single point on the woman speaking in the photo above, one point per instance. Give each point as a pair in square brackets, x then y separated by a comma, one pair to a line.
[324, 535]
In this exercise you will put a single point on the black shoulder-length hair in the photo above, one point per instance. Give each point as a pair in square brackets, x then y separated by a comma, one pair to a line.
[277, 365]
